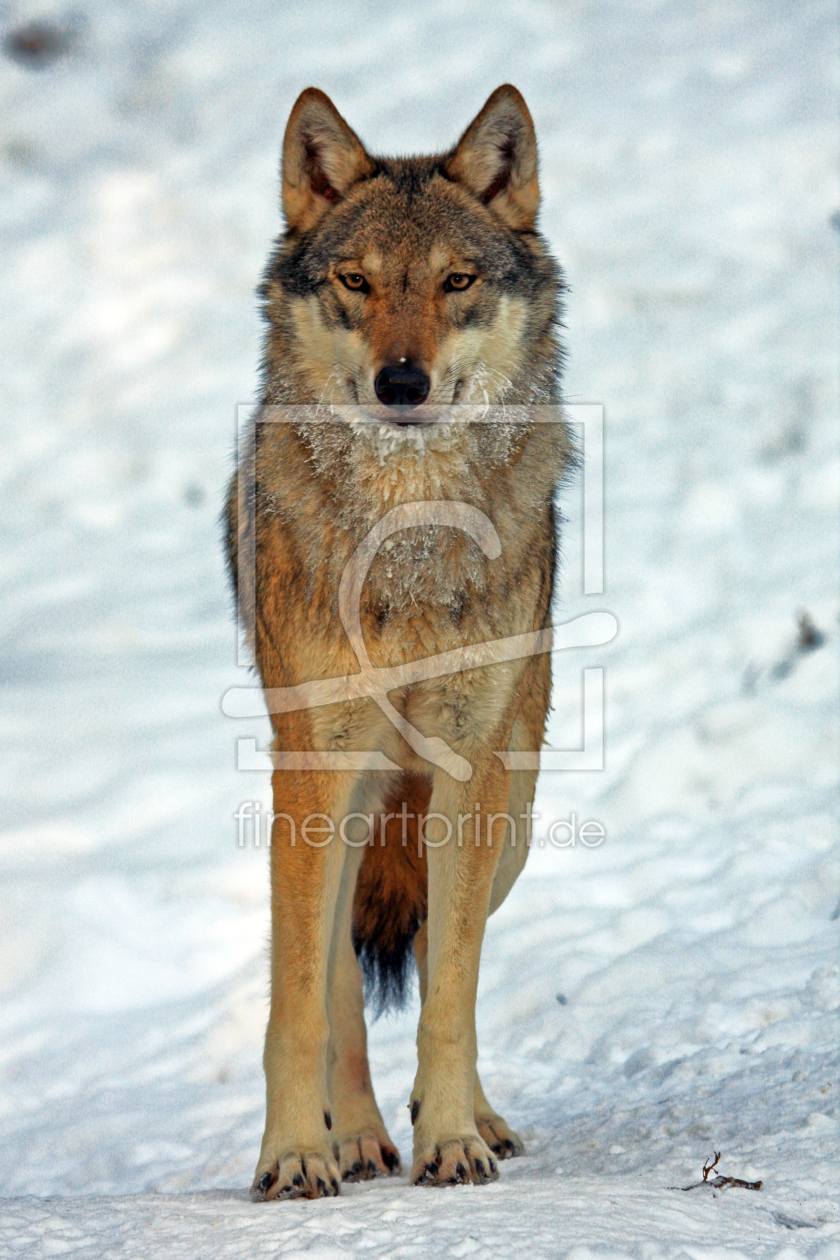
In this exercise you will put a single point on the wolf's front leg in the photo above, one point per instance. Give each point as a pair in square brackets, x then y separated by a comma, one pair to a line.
[296, 1157]
[447, 1145]
[492, 1127]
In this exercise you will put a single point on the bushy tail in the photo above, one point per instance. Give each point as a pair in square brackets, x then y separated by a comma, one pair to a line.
[391, 898]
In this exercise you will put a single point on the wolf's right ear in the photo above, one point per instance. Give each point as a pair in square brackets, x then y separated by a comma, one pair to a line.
[322, 159]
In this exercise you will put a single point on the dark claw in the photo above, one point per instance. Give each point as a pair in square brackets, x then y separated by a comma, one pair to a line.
[462, 1173]
[260, 1189]
[481, 1170]
[392, 1160]
[334, 1185]
[371, 1168]
[353, 1171]
[297, 1180]
[322, 1185]
[509, 1146]
[493, 1167]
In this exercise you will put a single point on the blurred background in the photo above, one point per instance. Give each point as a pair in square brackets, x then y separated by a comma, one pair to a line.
[688, 172]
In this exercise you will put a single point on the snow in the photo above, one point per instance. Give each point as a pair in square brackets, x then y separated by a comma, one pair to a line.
[688, 171]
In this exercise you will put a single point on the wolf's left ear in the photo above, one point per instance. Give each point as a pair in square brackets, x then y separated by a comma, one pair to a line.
[322, 159]
[496, 158]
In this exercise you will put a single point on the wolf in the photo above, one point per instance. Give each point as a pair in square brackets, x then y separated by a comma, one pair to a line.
[413, 314]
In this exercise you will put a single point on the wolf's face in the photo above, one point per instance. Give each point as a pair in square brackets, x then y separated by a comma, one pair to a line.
[405, 286]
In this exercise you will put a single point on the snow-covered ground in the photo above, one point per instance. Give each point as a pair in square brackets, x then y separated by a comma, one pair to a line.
[671, 993]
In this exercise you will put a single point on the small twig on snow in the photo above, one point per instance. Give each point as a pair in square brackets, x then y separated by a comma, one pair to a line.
[719, 1182]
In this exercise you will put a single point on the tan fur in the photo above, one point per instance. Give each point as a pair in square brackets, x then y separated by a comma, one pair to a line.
[504, 127]
[322, 158]
[322, 479]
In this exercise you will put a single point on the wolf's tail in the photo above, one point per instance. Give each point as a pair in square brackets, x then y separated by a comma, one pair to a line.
[391, 898]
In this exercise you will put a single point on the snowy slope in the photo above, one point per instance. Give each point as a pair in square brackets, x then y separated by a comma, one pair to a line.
[688, 170]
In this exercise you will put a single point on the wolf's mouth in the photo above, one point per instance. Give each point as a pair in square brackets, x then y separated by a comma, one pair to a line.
[402, 416]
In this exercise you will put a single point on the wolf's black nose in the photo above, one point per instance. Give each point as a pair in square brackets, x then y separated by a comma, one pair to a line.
[401, 385]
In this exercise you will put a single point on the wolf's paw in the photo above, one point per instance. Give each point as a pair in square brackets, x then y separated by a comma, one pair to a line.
[366, 1155]
[297, 1175]
[503, 1142]
[456, 1161]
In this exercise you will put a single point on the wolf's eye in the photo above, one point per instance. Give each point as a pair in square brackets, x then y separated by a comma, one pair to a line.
[354, 281]
[457, 282]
